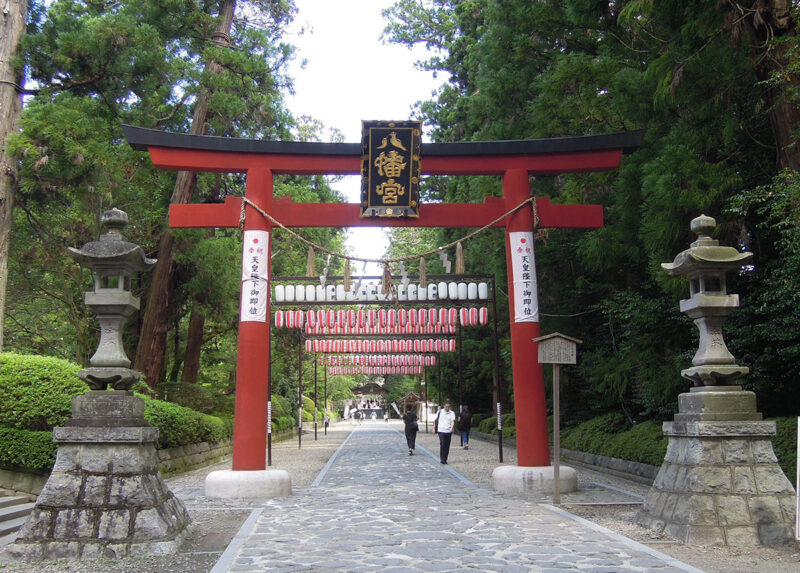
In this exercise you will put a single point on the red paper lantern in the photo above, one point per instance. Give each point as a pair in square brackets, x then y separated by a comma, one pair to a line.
[452, 344]
[483, 316]
[473, 316]
[463, 315]
[279, 319]
[308, 346]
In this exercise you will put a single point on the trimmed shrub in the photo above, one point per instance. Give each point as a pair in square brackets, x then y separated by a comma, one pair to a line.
[25, 450]
[611, 436]
[283, 424]
[179, 426]
[785, 444]
[36, 391]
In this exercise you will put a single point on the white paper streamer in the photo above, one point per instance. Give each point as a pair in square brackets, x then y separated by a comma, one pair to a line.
[523, 265]
[255, 279]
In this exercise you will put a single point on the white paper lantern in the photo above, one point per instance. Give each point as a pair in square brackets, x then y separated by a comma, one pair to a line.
[330, 293]
[289, 290]
[339, 292]
[300, 293]
[411, 292]
[483, 291]
[432, 292]
[472, 291]
[422, 293]
[452, 291]
[441, 290]
[280, 293]
[463, 291]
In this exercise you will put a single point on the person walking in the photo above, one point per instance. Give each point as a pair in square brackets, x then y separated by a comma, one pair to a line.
[445, 421]
[464, 423]
[410, 421]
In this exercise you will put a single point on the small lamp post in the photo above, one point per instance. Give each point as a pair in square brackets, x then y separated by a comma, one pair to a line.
[112, 261]
[705, 263]
[557, 349]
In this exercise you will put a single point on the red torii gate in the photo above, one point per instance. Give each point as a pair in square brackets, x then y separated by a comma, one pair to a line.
[514, 161]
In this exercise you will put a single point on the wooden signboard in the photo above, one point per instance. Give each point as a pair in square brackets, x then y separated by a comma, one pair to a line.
[390, 168]
[557, 349]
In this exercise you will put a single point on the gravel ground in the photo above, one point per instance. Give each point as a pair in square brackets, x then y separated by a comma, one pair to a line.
[605, 500]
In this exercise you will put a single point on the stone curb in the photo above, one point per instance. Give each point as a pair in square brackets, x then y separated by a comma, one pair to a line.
[634, 471]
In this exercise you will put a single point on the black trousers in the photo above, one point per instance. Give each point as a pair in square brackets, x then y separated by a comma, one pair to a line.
[444, 445]
[411, 440]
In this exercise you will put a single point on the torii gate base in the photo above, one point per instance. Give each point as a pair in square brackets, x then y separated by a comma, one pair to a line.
[514, 161]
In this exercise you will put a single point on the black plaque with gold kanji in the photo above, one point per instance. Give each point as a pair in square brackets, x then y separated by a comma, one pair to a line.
[390, 168]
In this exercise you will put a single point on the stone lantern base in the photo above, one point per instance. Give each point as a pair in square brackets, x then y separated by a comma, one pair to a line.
[720, 483]
[105, 497]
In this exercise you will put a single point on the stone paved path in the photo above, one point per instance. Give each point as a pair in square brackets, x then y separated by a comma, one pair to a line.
[375, 508]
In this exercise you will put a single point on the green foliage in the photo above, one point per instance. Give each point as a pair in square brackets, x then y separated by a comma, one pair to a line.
[611, 435]
[36, 391]
[23, 450]
[179, 426]
[283, 424]
[785, 444]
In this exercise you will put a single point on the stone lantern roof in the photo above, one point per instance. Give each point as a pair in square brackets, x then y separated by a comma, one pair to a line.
[112, 254]
[705, 254]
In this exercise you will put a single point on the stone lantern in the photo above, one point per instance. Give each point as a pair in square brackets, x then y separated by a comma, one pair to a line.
[705, 264]
[105, 497]
[720, 483]
[112, 261]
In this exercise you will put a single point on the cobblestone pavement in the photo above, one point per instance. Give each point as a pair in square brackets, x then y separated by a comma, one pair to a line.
[375, 508]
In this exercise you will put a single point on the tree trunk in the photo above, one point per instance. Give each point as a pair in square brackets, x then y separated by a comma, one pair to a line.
[767, 22]
[194, 342]
[153, 339]
[14, 15]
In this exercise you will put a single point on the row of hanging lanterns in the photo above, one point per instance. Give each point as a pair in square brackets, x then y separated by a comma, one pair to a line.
[374, 293]
[394, 346]
[391, 320]
[372, 370]
[380, 360]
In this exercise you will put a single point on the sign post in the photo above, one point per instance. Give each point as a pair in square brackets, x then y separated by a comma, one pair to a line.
[557, 349]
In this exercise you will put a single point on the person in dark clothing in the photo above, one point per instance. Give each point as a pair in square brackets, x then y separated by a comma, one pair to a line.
[410, 420]
[464, 423]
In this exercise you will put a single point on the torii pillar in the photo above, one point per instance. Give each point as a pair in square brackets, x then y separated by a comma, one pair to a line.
[514, 161]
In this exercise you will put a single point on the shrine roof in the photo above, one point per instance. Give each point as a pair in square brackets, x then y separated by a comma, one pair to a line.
[141, 139]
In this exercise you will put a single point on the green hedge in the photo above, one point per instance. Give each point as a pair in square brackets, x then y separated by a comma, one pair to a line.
[25, 450]
[785, 444]
[36, 394]
[180, 426]
[36, 391]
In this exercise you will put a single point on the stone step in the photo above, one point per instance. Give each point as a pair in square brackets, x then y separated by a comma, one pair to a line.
[9, 528]
[13, 500]
[10, 513]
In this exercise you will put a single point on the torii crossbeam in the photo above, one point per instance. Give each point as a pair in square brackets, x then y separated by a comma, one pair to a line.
[514, 161]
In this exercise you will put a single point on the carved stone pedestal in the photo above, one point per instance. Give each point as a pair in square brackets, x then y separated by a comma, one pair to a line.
[720, 483]
[105, 497]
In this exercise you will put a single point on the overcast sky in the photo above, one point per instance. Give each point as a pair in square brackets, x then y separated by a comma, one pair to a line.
[351, 75]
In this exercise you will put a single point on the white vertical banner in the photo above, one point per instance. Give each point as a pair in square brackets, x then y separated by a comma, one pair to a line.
[255, 280]
[523, 266]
